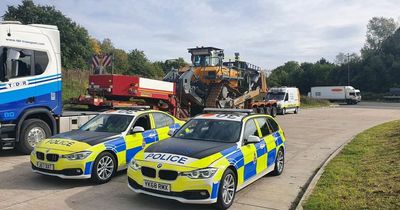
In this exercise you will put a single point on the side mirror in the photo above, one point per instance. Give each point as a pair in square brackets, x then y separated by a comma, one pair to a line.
[253, 139]
[171, 132]
[137, 129]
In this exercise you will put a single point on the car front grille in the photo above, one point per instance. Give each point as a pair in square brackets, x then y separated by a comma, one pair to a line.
[167, 175]
[52, 157]
[40, 155]
[149, 172]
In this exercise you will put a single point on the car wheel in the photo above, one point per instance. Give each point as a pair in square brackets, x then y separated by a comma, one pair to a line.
[283, 112]
[296, 111]
[104, 168]
[274, 111]
[227, 190]
[32, 132]
[279, 163]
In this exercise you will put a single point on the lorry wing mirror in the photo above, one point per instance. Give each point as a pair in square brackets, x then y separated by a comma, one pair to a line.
[13, 54]
[137, 129]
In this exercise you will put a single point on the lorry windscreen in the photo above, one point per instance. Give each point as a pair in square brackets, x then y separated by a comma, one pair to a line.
[276, 96]
[110, 123]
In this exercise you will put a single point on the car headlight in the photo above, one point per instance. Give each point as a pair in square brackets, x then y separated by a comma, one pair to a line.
[204, 173]
[77, 155]
[134, 165]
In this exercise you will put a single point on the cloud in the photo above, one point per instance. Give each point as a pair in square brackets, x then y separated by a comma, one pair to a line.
[266, 33]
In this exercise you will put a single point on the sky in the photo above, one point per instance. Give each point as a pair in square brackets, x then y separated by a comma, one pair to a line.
[266, 33]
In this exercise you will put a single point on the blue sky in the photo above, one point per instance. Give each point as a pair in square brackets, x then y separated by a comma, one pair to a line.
[265, 32]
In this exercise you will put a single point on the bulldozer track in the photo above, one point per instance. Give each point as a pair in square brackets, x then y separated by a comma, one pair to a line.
[215, 90]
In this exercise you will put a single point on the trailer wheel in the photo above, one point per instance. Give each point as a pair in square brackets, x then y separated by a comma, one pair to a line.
[267, 110]
[255, 109]
[260, 110]
[274, 111]
[32, 132]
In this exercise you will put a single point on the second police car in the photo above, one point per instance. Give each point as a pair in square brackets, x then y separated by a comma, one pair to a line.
[102, 146]
[210, 157]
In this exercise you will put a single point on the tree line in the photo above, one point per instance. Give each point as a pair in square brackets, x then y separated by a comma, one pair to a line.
[78, 47]
[376, 70]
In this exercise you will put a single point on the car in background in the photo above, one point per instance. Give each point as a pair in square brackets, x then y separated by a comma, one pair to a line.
[210, 157]
[102, 146]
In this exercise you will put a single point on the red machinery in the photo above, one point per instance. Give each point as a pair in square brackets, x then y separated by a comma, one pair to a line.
[107, 91]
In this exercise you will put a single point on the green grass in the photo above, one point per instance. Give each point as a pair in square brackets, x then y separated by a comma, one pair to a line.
[307, 102]
[365, 174]
[75, 83]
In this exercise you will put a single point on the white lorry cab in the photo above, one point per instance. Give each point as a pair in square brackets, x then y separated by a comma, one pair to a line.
[287, 98]
[30, 86]
[347, 94]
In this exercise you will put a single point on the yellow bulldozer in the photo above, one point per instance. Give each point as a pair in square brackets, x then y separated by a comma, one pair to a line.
[212, 82]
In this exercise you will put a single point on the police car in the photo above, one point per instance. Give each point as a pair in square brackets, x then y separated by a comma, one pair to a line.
[210, 157]
[102, 146]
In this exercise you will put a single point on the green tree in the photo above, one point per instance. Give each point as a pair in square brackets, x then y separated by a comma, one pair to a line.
[378, 30]
[75, 41]
[140, 65]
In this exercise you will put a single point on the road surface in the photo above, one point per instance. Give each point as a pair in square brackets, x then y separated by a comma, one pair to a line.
[311, 135]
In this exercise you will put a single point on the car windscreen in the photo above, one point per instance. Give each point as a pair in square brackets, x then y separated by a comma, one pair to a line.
[109, 123]
[276, 96]
[210, 130]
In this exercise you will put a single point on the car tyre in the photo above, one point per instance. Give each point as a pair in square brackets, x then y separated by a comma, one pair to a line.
[279, 163]
[104, 168]
[283, 112]
[296, 111]
[227, 190]
[32, 132]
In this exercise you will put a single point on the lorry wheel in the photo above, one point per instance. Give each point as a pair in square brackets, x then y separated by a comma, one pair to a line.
[296, 111]
[274, 111]
[104, 168]
[227, 190]
[32, 132]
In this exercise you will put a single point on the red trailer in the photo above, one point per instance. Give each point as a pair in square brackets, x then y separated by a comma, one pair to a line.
[108, 91]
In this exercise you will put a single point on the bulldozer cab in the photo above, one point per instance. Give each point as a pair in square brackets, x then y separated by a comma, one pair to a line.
[206, 56]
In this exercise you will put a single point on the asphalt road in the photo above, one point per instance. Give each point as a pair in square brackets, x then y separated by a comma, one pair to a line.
[311, 135]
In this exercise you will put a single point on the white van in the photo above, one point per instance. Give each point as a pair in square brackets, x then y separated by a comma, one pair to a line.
[287, 98]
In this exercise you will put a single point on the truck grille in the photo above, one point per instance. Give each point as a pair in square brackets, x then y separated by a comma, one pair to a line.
[52, 157]
[149, 172]
[40, 155]
[167, 175]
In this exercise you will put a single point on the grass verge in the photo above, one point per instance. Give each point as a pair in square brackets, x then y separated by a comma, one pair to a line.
[365, 174]
[75, 83]
[307, 102]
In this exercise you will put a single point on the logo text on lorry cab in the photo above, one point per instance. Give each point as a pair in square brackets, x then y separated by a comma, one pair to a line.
[60, 142]
[169, 158]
